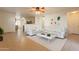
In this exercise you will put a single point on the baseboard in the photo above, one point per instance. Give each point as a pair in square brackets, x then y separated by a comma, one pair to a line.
[75, 33]
[8, 32]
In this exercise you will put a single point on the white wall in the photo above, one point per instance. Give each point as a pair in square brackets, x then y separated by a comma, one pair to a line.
[7, 21]
[59, 26]
[38, 22]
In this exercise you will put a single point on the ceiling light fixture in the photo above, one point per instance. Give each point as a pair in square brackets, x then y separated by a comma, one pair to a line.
[38, 10]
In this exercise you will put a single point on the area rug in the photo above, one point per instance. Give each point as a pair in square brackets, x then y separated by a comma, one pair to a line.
[71, 46]
[55, 44]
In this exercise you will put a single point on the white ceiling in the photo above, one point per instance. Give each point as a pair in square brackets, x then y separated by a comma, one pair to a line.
[25, 11]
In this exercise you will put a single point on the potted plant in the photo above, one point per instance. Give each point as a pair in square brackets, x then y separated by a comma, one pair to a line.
[1, 34]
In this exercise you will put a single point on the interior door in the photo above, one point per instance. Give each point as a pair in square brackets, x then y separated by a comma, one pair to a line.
[73, 23]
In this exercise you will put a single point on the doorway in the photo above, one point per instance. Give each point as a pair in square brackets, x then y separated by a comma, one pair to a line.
[73, 22]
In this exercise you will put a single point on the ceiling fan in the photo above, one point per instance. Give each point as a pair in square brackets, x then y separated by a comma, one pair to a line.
[38, 10]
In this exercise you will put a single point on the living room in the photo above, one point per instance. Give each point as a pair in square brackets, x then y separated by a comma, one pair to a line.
[26, 29]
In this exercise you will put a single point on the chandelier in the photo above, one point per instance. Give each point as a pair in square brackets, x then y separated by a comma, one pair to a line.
[38, 10]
